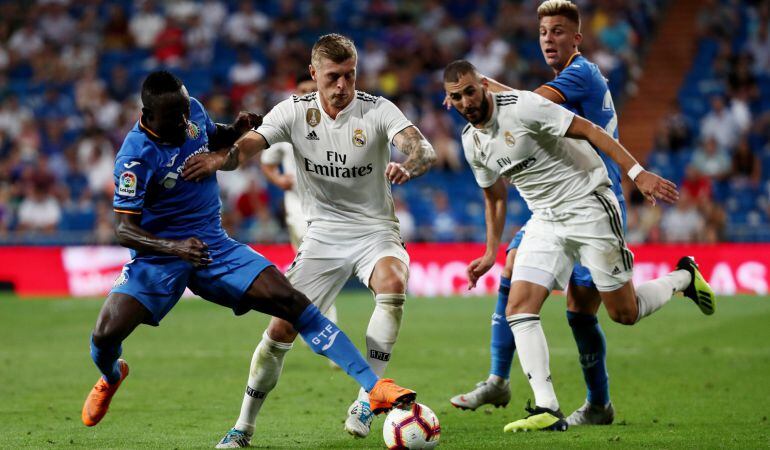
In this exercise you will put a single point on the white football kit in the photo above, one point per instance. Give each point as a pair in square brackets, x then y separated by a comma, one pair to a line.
[282, 153]
[345, 196]
[564, 182]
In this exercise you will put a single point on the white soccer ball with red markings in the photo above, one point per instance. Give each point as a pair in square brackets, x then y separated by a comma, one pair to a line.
[412, 428]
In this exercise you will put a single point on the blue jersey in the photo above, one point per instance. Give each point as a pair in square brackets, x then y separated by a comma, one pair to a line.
[585, 92]
[148, 181]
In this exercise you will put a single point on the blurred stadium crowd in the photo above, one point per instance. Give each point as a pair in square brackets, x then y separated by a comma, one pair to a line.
[70, 72]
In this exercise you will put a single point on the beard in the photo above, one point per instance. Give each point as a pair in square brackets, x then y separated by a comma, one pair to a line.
[477, 115]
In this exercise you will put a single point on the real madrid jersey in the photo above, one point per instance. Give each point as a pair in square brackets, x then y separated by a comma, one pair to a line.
[340, 162]
[148, 181]
[585, 92]
[524, 142]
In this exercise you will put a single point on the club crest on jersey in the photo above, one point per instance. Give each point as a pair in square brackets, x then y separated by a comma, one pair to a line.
[169, 180]
[122, 278]
[509, 140]
[359, 138]
[193, 130]
[127, 184]
[313, 117]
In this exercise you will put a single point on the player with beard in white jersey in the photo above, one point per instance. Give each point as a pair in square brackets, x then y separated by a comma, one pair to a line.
[543, 150]
[341, 140]
[281, 156]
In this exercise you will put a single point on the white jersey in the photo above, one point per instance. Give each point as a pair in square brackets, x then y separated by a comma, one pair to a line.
[340, 162]
[282, 153]
[524, 142]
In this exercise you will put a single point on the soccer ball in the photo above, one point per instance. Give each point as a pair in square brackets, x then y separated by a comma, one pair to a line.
[412, 428]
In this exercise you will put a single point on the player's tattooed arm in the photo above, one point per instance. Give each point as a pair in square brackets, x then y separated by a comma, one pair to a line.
[130, 234]
[495, 200]
[420, 156]
[650, 185]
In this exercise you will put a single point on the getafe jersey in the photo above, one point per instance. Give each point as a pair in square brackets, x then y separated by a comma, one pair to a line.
[148, 181]
[524, 142]
[585, 92]
[340, 162]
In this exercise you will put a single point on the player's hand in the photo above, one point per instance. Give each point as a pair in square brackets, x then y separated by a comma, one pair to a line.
[202, 166]
[654, 187]
[247, 121]
[477, 268]
[285, 182]
[447, 103]
[397, 174]
[194, 251]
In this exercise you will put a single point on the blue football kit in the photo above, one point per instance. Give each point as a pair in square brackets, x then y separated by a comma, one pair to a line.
[148, 181]
[584, 91]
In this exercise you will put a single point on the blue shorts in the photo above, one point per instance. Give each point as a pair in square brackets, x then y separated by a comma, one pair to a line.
[580, 275]
[158, 282]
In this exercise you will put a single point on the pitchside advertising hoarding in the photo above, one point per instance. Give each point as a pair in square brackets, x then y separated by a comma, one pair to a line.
[436, 270]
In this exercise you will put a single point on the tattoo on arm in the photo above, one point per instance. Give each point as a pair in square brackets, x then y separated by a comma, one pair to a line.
[419, 151]
[232, 158]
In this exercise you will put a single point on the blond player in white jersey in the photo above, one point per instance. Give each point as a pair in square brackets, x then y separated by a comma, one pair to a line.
[543, 150]
[281, 156]
[341, 139]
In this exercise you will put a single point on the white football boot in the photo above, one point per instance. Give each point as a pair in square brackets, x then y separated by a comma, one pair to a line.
[485, 393]
[359, 421]
[589, 414]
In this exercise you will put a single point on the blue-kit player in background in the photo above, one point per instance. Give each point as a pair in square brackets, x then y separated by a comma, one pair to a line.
[580, 87]
[173, 227]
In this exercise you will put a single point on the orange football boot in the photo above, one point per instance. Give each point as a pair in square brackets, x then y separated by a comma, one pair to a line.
[99, 398]
[386, 394]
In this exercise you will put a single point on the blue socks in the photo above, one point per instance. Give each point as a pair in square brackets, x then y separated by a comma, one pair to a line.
[593, 355]
[106, 359]
[325, 338]
[502, 344]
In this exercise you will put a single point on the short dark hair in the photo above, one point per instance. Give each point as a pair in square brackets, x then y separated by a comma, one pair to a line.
[458, 68]
[158, 83]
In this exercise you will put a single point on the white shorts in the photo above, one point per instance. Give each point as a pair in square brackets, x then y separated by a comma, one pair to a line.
[592, 234]
[326, 260]
[297, 229]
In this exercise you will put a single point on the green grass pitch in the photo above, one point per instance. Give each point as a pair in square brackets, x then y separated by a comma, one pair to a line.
[678, 379]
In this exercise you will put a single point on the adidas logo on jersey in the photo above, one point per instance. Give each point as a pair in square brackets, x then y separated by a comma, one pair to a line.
[615, 271]
[312, 136]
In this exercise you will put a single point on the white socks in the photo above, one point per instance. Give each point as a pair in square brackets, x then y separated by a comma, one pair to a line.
[382, 332]
[652, 295]
[266, 365]
[533, 357]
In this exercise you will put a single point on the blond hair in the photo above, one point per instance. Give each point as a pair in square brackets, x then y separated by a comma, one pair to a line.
[334, 47]
[559, 8]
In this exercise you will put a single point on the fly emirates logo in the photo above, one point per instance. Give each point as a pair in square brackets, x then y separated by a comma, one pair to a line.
[334, 167]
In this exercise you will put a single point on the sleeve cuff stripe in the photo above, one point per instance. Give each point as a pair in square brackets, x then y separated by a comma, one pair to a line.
[558, 92]
[126, 211]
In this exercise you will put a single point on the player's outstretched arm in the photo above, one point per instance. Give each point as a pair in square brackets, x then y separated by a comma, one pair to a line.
[420, 156]
[226, 135]
[204, 165]
[652, 186]
[495, 200]
[131, 235]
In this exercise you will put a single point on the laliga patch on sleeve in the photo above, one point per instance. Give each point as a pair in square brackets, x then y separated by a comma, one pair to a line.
[127, 184]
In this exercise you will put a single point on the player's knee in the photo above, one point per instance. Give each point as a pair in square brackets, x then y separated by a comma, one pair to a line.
[623, 316]
[280, 330]
[392, 285]
[104, 334]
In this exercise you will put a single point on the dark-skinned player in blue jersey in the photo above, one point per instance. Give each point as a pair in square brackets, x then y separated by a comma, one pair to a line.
[173, 227]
